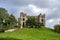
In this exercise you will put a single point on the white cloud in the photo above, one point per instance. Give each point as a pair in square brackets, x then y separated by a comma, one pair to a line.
[31, 9]
[36, 10]
[50, 21]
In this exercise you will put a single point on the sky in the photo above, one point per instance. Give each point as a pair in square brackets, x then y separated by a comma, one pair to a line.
[51, 8]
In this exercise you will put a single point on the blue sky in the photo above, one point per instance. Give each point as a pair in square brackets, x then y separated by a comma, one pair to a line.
[51, 8]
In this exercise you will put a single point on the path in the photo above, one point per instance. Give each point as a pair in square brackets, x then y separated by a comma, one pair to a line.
[10, 30]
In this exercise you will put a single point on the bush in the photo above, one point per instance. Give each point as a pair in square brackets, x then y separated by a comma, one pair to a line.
[57, 28]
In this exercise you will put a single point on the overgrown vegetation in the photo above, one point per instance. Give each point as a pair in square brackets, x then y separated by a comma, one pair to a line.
[57, 28]
[32, 22]
[6, 21]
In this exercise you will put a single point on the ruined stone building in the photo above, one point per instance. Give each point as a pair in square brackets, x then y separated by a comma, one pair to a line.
[24, 17]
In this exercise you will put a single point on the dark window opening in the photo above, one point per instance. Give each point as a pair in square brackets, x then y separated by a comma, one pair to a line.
[23, 19]
[42, 20]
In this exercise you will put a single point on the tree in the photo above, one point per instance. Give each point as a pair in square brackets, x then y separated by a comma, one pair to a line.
[30, 22]
[13, 20]
[33, 22]
[3, 16]
[57, 28]
[3, 13]
[6, 20]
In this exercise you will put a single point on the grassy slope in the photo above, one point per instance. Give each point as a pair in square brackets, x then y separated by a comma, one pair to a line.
[30, 34]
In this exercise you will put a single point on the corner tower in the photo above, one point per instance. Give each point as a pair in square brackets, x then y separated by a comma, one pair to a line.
[41, 18]
[23, 18]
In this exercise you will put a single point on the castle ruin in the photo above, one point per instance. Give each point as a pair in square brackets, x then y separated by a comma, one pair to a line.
[24, 17]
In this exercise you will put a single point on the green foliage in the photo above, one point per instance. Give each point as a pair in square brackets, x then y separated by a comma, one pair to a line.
[3, 16]
[6, 20]
[30, 22]
[12, 18]
[13, 21]
[33, 22]
[57, 28]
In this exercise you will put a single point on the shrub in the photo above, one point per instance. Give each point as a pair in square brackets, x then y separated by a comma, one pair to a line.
[57, 28]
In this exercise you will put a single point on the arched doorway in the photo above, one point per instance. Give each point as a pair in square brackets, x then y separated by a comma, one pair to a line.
[23, 24]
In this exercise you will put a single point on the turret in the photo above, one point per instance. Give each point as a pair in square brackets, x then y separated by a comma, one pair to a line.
[41, 18]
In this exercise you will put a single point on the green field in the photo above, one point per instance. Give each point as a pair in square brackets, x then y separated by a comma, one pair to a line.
[30, 34]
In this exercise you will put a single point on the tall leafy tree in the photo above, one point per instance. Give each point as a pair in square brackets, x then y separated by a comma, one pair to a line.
[6, 20]
[3, 15]
[13, 20]
[33, 22]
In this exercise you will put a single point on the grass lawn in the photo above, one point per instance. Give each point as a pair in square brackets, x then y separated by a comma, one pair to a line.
[30, 34]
